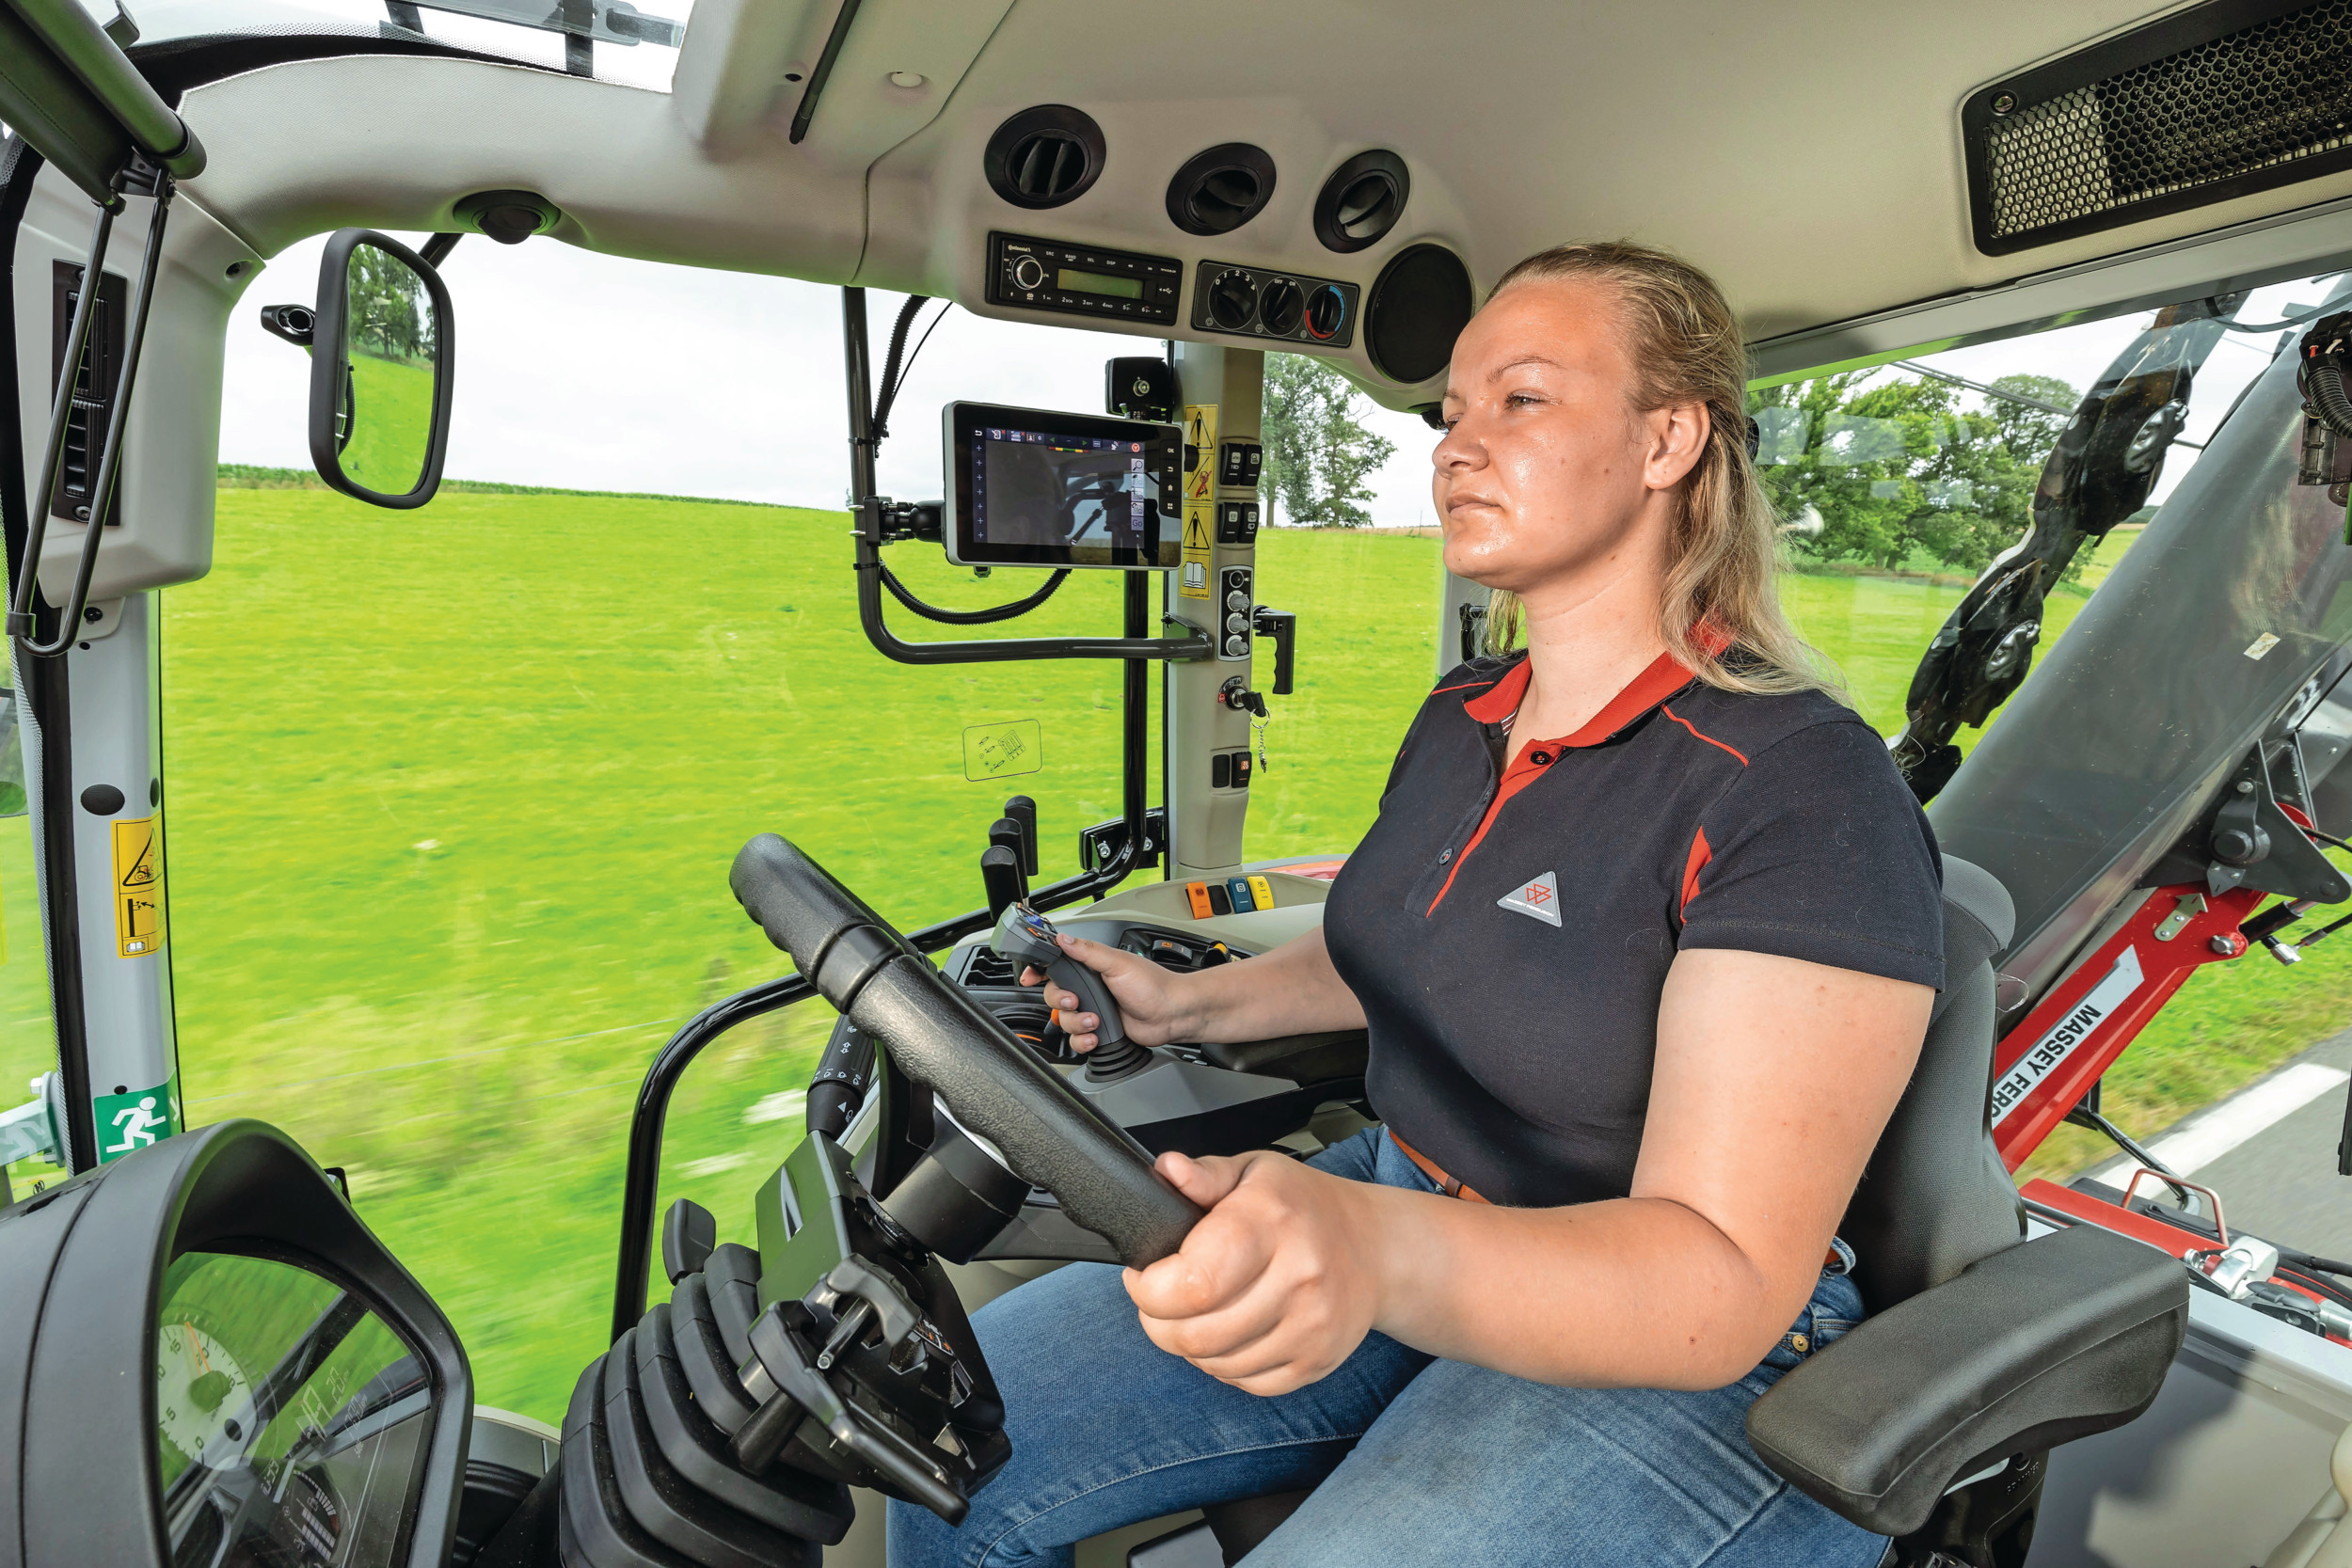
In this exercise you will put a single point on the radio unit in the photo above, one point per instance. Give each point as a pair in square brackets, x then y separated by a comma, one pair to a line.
[1083, 280]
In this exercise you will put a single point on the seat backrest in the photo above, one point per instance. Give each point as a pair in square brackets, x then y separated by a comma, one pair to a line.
[1935, 1197]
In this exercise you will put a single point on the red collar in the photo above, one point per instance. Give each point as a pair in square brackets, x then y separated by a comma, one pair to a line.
[1662, 679]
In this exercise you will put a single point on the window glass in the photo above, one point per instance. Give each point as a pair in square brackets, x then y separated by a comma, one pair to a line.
[1899, 484]
[28, 1038]
[456, 790]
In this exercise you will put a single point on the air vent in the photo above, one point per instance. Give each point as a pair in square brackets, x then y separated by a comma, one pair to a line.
[1044, 157]
[988, 967]
[1417, 308]
[1362, 201]
[1221, 189]
[2219, 100]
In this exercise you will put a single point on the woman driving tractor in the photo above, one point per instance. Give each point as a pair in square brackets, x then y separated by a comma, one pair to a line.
[1636, 897]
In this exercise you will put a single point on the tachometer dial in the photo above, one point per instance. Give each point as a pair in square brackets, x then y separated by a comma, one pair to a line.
[202, 1395]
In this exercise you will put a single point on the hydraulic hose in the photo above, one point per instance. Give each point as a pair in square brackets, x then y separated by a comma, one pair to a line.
[2324, 393]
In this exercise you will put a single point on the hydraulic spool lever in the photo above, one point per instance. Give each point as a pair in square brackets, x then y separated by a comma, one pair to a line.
[1000, 874]
[1022, 810]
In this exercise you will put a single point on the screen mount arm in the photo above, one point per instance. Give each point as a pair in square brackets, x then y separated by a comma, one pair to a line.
[878, 520]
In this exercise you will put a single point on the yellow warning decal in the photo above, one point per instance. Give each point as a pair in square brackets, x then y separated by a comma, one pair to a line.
[1199, 452]
[139, 888]
[1192, 580]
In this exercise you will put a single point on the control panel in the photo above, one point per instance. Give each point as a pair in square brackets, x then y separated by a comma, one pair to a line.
[1237, 522]
[1083, 280]
[1233, 587]
[1259, 304]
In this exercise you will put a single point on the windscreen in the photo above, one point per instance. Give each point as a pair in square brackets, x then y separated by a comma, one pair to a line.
[290, 1421]
[1043, 489]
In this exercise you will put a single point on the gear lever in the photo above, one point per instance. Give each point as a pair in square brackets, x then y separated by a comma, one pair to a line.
[1026, 937]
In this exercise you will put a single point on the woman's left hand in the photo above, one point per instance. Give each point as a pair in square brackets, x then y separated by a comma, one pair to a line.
[1276, 1286]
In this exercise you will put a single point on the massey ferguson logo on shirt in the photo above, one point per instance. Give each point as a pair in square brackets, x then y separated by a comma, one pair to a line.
[1540, 898]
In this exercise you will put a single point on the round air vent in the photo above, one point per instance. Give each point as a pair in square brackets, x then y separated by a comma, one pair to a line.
[1221, 189]
[1045, 156]
[1363, 200]
[1416, 308]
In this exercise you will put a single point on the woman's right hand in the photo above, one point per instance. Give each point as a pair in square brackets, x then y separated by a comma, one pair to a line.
[1150, 998]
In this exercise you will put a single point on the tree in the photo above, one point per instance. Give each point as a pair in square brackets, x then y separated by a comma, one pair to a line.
[1898, 469]
[1317, 454]
[2030, 432]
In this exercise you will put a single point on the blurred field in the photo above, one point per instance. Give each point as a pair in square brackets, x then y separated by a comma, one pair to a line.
[454, 792]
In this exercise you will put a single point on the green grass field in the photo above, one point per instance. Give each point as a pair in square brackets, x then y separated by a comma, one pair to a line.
[454, 792]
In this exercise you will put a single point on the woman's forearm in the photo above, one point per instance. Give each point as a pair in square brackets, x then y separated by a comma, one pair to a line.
[1630, 1292]
[1291, 991]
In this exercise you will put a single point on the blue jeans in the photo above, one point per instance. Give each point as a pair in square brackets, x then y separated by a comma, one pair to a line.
[1415, 1461]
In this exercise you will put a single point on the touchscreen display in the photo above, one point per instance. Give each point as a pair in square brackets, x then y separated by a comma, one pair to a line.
[1062, 490]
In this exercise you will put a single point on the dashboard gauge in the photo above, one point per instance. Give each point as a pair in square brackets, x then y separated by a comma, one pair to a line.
[202, 1395]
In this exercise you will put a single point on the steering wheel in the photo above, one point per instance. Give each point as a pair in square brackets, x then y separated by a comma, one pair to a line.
[939, 1037]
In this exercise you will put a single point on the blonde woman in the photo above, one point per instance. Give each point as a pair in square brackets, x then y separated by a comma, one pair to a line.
[1646, 936]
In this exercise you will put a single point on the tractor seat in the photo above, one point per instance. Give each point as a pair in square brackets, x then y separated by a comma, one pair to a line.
[1983, 1350]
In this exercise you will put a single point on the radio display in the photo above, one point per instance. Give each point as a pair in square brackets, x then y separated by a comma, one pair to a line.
[1027, 487]
[1098, 283]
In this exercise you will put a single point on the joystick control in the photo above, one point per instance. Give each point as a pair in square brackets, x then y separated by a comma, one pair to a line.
[1027, 936]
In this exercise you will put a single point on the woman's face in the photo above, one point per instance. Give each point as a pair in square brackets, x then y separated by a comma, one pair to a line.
[1547, 473]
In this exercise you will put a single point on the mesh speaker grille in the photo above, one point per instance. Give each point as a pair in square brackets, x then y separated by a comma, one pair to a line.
[2215, 101]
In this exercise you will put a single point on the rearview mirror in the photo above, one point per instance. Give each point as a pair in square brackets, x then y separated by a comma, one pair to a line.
[380, 371]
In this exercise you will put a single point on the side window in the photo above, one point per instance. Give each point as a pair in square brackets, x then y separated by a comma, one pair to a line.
[1899, 484]
[28, 1040]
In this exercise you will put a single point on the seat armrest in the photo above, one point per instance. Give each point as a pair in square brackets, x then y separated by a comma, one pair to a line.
[2036, 1345]
[1304, 1059]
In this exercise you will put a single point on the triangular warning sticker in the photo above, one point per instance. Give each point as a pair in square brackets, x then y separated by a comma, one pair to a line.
[1196, 527]
[142, 871]
[1540, 898]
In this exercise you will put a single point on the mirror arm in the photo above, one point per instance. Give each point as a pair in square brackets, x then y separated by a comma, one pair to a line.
[437, 247]
[20, 618]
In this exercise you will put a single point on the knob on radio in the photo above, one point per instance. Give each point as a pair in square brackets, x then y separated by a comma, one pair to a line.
[1028, 273]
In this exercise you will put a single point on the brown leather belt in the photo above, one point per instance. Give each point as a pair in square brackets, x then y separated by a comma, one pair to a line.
[1452, 1188]
[1436, 1172]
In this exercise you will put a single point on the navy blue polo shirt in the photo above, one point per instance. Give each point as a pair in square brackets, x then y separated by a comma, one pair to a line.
[1508, 929]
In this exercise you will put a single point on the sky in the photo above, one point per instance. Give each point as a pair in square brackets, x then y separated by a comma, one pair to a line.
[586, 372]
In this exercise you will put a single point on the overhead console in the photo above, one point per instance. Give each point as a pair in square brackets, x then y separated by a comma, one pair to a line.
[1051, 155]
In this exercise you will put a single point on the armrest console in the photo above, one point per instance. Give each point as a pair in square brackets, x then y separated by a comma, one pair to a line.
[1304, 1059]
[2036, 1345]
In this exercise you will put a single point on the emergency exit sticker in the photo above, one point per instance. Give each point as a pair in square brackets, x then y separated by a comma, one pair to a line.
[131, 1121]
[139, 888]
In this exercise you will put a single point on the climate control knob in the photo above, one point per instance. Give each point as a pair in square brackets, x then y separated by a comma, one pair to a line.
[1235, 647]
[1233, 299]
[1237, 600]
[1279, 307]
